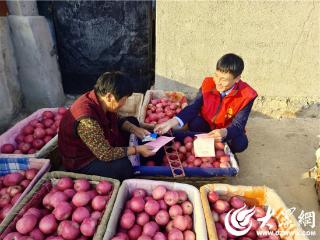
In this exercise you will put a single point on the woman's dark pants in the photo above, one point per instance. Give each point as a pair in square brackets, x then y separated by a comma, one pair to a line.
[120, 169]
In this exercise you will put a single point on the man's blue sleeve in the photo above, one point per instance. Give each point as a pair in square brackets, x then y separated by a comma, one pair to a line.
[192, 110]
[239, 122]
[180, 122]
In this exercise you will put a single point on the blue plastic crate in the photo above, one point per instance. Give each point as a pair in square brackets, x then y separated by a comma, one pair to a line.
[190, 171]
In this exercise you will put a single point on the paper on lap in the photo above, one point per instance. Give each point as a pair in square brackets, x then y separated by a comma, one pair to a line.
[204, 146]
[159, 142]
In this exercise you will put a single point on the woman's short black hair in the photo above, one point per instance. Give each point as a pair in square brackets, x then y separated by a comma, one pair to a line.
[117, 83]
[230, 63]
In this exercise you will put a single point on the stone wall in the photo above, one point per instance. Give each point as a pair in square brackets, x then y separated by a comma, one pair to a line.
[38, 68]
[10, 95]
[278, 40]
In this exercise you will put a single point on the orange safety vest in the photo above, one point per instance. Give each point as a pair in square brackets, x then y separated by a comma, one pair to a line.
[219, 112]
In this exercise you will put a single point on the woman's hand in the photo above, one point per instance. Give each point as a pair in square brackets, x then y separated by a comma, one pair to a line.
[141, 132]
[138, 131]
[145, 150]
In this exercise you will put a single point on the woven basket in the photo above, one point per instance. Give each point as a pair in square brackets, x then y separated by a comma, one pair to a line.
[35, 197]
[261, 196]
[194, 181]
[43, 165]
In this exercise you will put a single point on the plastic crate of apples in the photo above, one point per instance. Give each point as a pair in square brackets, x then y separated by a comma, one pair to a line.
[223, 164]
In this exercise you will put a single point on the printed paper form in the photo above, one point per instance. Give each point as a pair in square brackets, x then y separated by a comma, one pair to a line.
[159, 142]
[204, 146]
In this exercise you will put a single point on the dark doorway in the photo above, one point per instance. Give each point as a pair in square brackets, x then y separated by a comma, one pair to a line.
[3, 8]
[93, 37]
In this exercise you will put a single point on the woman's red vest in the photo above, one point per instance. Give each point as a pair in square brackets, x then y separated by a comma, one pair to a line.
[219, 112]
[75, 154]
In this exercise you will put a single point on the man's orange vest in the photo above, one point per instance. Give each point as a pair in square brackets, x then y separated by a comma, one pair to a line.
[219, 112]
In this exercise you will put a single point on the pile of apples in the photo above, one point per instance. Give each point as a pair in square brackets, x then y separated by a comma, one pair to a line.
[35, 134]
[163, 215]
[12, 186]
[71, 210]
[187, 157]
[161, 110]
[221, 205]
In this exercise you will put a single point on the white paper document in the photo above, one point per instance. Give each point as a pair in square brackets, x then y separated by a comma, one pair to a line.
[159, 142]
[204, 146]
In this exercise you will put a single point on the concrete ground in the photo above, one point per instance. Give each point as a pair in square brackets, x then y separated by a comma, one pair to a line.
[279, 152]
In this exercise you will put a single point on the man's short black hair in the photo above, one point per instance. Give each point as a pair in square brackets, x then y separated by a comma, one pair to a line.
[116, 83]
[230, 63]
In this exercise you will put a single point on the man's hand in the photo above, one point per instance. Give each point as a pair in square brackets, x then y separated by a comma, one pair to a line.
[145, 150]
[141, 132]
[218, 134]
[164, 127]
